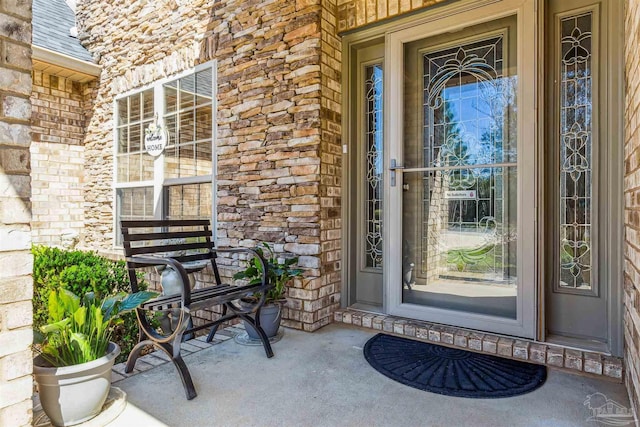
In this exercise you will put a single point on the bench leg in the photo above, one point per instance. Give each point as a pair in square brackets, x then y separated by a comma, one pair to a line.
[168, 349]
[263, 337]
[185, 376]
[135, 353]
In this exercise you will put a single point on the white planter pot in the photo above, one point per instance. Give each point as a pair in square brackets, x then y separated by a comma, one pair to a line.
[72, 394]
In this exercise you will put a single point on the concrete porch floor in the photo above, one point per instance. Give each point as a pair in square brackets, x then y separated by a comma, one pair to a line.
[322, 379]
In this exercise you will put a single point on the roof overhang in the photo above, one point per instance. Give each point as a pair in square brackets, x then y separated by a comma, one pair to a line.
[64, 65]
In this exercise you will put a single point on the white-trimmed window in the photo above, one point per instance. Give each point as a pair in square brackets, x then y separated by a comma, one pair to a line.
[177, 184]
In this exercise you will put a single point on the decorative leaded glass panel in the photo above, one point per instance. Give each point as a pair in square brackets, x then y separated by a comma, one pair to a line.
[373, 165]
[576, 152]
[469, 107]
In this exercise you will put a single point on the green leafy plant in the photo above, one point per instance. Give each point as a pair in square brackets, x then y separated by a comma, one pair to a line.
[279, 272]
[79, 330]
[81, 272]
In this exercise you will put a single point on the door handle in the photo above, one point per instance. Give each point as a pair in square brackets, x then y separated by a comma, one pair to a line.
[393, 167]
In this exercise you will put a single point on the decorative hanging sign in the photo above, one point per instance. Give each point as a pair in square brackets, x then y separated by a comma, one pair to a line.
[155, 139]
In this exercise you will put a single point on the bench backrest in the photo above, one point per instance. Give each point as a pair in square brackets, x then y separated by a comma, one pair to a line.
[183, 240]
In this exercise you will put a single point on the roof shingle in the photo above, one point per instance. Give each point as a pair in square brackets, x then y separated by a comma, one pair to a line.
[52, 20]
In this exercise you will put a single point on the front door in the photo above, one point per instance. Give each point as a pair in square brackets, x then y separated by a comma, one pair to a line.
[461, 171]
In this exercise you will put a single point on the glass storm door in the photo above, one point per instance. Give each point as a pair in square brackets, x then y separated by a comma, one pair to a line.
[462, 174]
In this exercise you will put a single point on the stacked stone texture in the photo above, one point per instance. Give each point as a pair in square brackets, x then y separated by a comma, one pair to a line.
[136, 43]
[60, 110]
[632, 203]
[278, 124]
[16, 287]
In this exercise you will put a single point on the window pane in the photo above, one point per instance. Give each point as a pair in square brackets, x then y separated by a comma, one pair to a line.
[373, 137]
[135, 172]
[171, 164]
[134, 105]
[187, 160]
[133, 204]
[203, 123]
[203, 86]
[147, 166]
[187, 91]
[170, 97]
[123, 140]
[204, 165]
[186, 129]
[575, 152]
[148, 110]
[460, 219]
[122, 174]
[171, 125]
[123, 111]
[135, 135]
[191, 201]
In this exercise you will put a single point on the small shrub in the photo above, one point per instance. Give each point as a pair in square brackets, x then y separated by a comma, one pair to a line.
[81, 272]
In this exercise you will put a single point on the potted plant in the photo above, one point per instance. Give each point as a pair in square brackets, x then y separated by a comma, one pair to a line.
[73, 367]
[279, 272]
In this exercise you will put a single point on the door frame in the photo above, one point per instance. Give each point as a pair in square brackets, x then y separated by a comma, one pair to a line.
[354, 38]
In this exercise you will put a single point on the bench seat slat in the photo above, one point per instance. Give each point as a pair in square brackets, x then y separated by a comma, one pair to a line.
[169, 248]
[200, 298]
[166, 223]
[136, 237]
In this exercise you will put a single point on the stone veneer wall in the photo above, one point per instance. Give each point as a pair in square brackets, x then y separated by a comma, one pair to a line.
[278, 118]
[16, 285]
[136, 43]
[632, 203]
[61, 108]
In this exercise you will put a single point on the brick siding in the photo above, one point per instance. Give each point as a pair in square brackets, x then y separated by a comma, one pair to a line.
[632, 203]
[358, 13]
[60, 111]
[16, 288]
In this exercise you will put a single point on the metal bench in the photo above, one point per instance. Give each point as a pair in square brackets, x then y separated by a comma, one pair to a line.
[186, 246]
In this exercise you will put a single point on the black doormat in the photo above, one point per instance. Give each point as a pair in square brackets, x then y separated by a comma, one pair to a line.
[451, 371]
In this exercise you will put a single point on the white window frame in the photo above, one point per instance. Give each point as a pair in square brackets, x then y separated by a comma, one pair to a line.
[159, 182]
